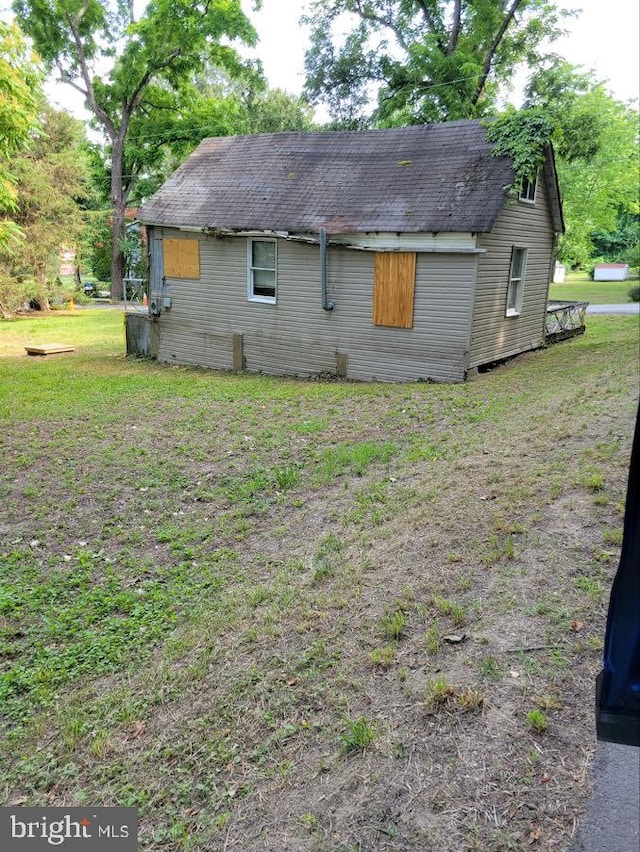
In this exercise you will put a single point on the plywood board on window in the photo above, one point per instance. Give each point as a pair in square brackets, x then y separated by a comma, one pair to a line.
[181, 258]
[394, 288]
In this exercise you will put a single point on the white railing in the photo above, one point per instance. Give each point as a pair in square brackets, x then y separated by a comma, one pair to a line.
[564, 319]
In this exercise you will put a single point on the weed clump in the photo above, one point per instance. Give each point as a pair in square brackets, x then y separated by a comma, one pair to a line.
[537, 721]
[394, 623]
[440, 695]
[383, 657]
[357, 735]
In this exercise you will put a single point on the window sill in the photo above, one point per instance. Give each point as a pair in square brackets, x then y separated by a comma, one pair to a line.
[512, 313]
[529, 201]
[264, 300]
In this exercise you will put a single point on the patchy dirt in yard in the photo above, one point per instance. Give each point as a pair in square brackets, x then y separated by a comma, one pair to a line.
[297, 616]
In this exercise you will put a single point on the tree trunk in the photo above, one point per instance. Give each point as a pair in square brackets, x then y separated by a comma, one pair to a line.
[118, 201]
[491, 53]
[42, 296]
[117, 260]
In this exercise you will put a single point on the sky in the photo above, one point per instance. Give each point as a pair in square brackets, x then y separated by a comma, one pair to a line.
[605, 37]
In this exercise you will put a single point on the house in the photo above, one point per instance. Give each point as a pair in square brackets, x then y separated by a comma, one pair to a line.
[611, 272]
[395, 255]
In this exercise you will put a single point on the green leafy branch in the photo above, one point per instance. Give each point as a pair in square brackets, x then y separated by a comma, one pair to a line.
[521, 135]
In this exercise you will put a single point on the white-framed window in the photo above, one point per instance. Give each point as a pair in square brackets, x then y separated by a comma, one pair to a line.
[262, 270]
[528, 191]
[516, 281]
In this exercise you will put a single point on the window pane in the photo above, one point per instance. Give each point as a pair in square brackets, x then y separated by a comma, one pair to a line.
[264, 282]
[512, 296]
[264, 255]
[528, 190]
[517, 264]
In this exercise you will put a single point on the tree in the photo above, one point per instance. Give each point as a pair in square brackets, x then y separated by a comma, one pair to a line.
[424, 60]
[274, 111]
[597, 189]
[214, 103]
[51, 181]
[622, 244]
[150, 61]
[20, 101]
[596, 142]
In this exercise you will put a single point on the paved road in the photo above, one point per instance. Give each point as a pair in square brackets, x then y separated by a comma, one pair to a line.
[112, 306]
[629, 308]
[98, 303]
[612, 820]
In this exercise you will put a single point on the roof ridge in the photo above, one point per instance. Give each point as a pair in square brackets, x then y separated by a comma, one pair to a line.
[465, 122]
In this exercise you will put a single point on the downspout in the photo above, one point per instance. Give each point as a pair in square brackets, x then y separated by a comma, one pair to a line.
[326, 304]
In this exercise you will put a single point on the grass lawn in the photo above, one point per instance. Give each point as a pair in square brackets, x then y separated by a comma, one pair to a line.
[305, 615]
[579, 287]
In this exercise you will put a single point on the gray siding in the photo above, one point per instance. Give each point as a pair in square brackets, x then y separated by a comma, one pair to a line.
[296, 337]
[436, 346]
[494, 335]
[196, 330]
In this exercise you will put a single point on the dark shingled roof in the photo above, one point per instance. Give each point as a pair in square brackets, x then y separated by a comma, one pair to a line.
[433, 178]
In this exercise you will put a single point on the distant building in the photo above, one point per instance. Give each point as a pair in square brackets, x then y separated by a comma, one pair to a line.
[611, 272]
[67, 261]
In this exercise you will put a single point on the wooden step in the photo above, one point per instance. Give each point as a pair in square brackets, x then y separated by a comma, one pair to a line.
[48, 349]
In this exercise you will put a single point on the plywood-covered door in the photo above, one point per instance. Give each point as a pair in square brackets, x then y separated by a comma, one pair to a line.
[394, 285]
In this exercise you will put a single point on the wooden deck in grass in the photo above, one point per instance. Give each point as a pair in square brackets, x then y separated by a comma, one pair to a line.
[48, 349]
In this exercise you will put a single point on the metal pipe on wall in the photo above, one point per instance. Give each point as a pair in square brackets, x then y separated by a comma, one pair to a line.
[326, 304]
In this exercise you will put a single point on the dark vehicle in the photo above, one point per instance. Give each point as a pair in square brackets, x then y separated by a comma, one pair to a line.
[618, 684]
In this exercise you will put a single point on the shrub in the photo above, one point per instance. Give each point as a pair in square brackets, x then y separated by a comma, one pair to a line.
[14, 295]
[634, 293]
